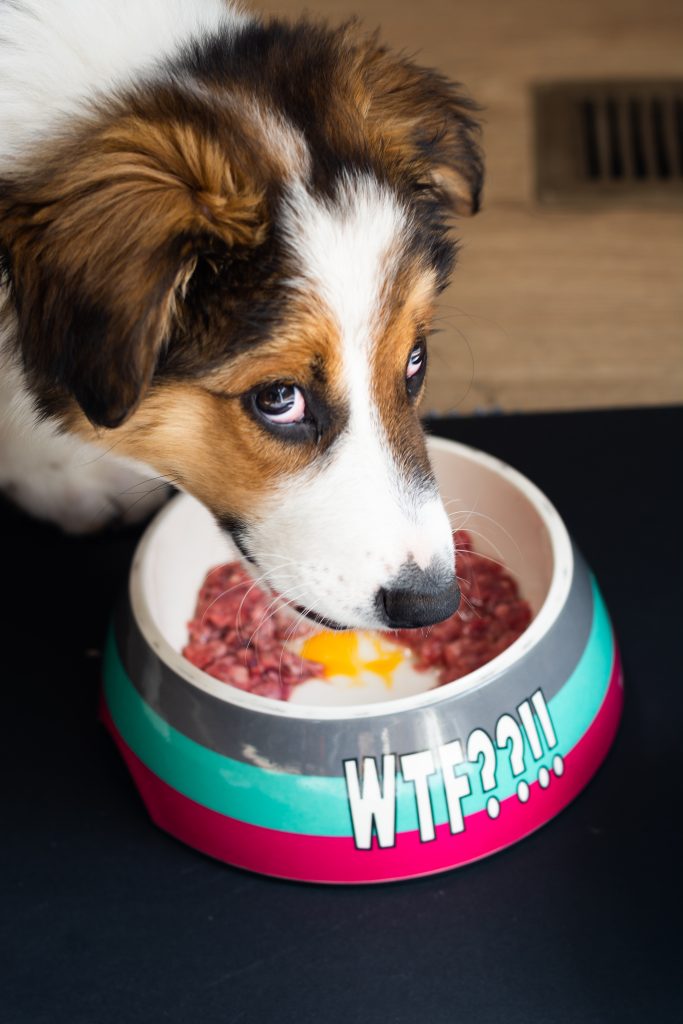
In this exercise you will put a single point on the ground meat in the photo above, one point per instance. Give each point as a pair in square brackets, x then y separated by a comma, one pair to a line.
[238, 633]
[491, 616]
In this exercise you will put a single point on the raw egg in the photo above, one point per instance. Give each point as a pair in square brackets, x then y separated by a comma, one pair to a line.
[360, 667]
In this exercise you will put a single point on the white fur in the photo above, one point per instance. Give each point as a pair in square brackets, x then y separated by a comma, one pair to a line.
[58, 477]
[281, 139]
[345, 249]
[349, 527]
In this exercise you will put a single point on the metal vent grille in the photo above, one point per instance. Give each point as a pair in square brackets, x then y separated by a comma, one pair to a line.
[609, 142]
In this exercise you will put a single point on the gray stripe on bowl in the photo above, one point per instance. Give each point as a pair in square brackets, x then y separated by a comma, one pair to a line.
[319, 746]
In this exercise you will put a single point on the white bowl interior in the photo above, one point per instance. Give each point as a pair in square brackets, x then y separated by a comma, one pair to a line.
[182, 552]
[509, 518]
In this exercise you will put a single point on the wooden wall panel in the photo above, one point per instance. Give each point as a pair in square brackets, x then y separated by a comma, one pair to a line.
[555, 309]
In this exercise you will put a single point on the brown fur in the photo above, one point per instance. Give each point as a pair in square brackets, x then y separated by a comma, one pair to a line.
[232, 463]
[422, 120]
[149, 280]
[105, 239]
[409, 310]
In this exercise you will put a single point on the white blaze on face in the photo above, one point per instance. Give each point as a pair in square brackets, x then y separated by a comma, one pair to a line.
[336, 533]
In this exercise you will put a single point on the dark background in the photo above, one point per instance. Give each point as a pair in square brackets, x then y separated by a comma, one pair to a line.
[106, 919]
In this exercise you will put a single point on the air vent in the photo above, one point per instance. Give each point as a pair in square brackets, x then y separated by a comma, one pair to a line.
[609, 142]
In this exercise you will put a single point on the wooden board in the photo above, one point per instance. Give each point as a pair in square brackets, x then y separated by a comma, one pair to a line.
[555, 309]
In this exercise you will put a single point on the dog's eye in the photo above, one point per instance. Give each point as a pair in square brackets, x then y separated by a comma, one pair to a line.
[281, 403]
[417, 363]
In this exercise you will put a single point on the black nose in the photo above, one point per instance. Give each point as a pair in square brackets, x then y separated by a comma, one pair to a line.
[418, 598]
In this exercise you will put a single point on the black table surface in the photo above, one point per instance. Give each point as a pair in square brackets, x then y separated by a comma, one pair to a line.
[107, 919]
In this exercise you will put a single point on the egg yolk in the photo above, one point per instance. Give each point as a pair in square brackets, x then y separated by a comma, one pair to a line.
[340, 655]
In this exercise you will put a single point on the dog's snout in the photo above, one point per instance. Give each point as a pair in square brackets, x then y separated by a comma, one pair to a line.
[418, 598]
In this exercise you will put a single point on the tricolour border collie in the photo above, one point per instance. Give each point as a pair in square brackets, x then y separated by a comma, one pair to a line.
[221, 242]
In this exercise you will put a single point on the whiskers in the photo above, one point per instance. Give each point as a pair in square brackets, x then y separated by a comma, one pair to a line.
[229, 590]
[302, 614]
[279, 603]
[465, 525]
[460, 519]
[144, 488]
[160, 483]
[465, 598]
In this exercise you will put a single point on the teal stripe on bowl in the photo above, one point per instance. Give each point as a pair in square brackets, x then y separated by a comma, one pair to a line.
[317, 805]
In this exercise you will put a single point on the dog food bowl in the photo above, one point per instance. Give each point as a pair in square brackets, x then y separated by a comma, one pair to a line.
[380, 791]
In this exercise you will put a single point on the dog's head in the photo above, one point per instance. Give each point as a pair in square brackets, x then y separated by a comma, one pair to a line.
[229, 273]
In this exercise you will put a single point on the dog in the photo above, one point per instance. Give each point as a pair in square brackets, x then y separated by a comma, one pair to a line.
[222, 239]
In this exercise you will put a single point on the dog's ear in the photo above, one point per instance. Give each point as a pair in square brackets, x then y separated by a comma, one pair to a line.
[425, 120]
[100, 248]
